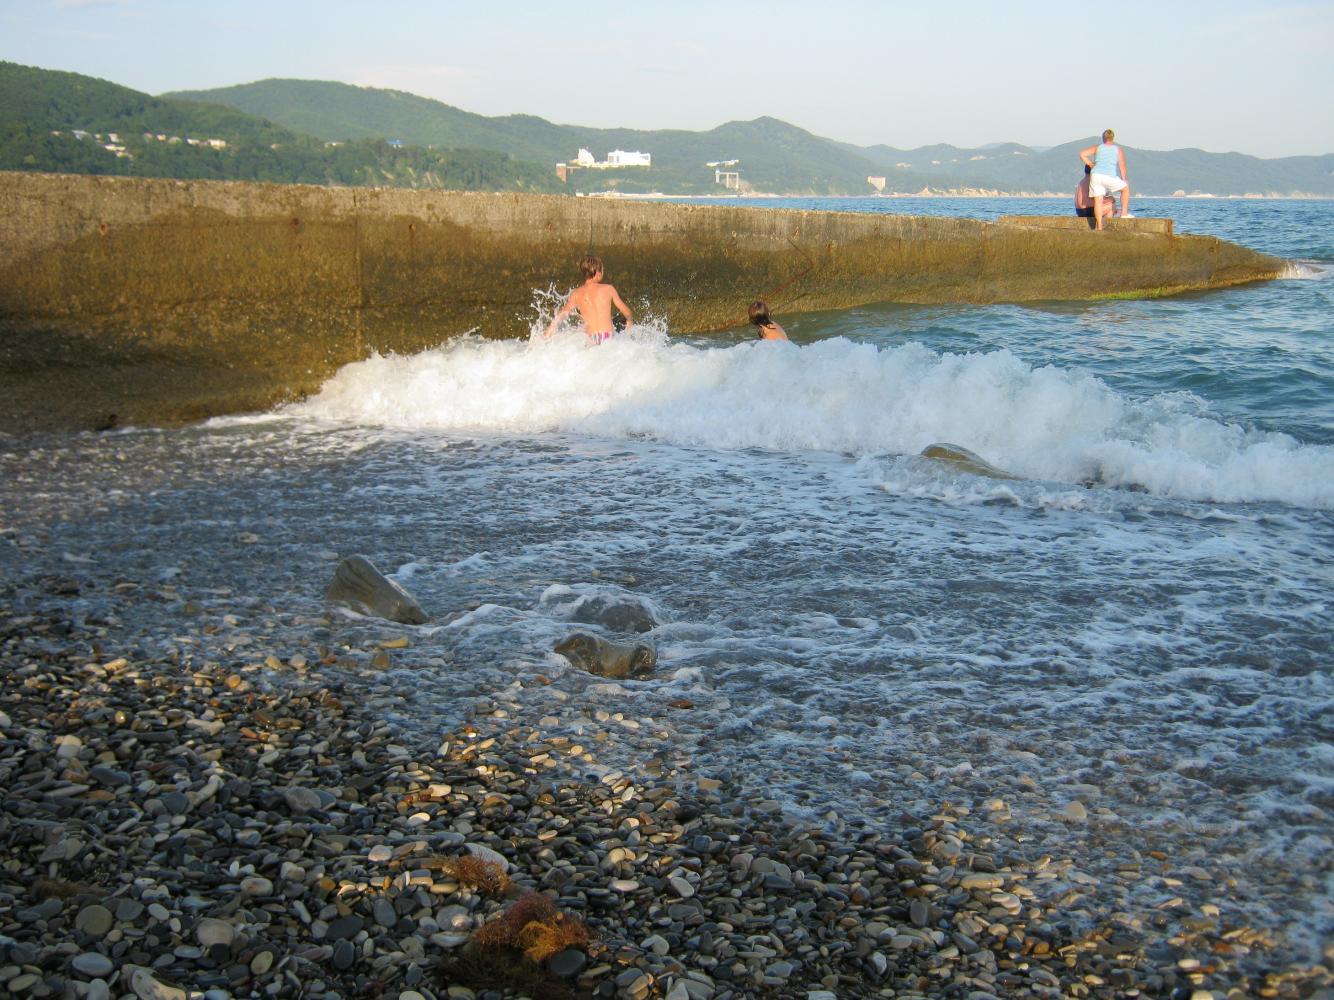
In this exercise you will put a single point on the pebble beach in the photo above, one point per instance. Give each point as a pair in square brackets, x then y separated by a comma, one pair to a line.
[898, 729]
[229, 817]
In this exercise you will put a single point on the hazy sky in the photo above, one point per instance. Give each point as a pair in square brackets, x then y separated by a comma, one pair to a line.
[1224, 75]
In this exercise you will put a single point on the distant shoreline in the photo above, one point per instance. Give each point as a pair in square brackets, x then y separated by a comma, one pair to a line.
[1047, 196]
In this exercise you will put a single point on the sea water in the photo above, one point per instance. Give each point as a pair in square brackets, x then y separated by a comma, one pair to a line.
[1123, 649]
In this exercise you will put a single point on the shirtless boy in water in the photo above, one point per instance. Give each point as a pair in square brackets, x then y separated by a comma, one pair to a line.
[594, 300]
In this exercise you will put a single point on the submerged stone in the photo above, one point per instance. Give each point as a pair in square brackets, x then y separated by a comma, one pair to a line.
[617, 614]
[363, 588]
[964, 460]
[606, 658]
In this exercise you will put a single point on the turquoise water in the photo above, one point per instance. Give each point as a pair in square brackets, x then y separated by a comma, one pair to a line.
[1261, 355]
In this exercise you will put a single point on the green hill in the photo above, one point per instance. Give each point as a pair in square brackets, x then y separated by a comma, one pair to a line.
[338, 111]
[1011, 167]
[58, 121]
[773, 155]
[332, 133]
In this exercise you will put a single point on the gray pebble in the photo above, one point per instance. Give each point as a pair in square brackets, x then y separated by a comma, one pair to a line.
[567, 963]
[93, 964]
[344, 955]
[94, 920]
[345, 927]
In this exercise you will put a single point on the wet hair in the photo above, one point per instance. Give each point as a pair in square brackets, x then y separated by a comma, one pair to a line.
[590, 265]
[759, 313]
[1108, 135]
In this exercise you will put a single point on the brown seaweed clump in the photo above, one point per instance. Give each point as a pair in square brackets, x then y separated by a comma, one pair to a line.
[477, 873]
[508, 952]
[43, 888]
[534, 926]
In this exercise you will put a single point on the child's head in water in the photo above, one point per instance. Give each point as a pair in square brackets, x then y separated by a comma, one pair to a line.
[764, 324]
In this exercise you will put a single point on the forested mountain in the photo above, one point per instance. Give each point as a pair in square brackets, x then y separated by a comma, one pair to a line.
[1011, 167]
[333, 133]
[57, 121]
[774, 156]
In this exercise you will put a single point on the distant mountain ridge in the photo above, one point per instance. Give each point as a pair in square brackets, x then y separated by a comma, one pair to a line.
[57, 121]
[774, 156]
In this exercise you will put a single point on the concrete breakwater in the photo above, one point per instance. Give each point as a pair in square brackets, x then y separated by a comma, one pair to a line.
[151, 301]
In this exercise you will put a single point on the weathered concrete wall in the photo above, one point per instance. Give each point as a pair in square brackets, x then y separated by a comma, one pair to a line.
[1135, 224]
[155, 301]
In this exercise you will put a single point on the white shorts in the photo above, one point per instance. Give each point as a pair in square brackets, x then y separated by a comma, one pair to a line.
[1101, 185]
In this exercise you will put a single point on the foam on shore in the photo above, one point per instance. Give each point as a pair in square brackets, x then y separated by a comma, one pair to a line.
[1043, 423]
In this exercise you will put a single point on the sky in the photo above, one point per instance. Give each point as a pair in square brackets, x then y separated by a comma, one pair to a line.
[1253, 77]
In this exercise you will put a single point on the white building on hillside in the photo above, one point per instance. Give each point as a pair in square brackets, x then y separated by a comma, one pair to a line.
[621, 158]
[584, 159]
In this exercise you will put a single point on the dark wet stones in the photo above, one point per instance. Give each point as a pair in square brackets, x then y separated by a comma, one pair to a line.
[360, 586]
[302, 800]
[345, 927]
[109, 776]
[44, 910]
[344, 954]
[94, 920]
[384, 912]
[568, 963]
[306, 847]
[615, 614]
[606, 658]
[92, 964]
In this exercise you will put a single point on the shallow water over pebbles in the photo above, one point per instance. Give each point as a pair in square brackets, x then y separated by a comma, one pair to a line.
[1132, 684]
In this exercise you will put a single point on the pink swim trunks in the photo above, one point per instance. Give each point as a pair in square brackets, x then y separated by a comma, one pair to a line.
[598, 338]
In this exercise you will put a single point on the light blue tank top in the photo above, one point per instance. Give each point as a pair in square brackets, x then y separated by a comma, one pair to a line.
[1107, 162]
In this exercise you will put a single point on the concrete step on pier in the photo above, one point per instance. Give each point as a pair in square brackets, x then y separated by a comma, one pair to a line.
[1135, 224]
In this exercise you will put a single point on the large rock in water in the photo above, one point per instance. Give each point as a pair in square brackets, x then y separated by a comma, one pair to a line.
[619, 614]
[605, 658]
[363, 588]
[964, 460]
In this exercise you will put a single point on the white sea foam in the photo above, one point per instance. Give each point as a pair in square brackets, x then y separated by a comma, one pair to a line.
[1307, 270]
[1049, 424]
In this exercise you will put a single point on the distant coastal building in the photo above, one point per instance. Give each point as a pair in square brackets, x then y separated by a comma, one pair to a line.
[621, 158]
[730, 179]
[615, 159]
[876, 182]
